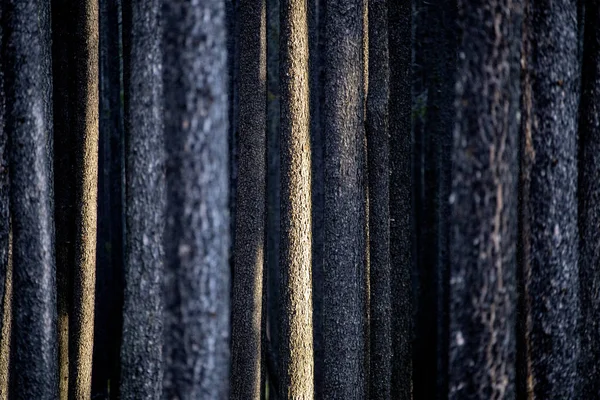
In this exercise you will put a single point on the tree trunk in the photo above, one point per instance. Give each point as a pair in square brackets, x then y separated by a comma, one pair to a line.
[296, 341]
[589, 206]
[401, 224]
[29, 120]
[246, 372]
[4, 181]
[196, 283]
[344, 283]
[379, 213]
[141, 348]
[483, 202]
[549, 211]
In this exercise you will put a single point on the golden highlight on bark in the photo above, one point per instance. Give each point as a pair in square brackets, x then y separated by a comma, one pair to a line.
[6, 325]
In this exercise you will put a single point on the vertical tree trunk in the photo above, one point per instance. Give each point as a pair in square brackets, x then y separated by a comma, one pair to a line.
[483, 202]
[108, 318]
[84, 100]
[29, 120]
[379, 213]
[250, 204]
[401, 225]
[589, 203]
[196, 289]
[4, 181]
[5, 339]
[550, 228]
[141, 348]
[344, 289]
[296, 340]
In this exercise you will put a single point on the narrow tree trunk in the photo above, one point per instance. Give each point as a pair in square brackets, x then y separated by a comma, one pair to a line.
[401, 224]
[5, 335]
[4, 181]
[196, 290]
[108, 318]
[379, 213]
[550, 167]
[483, 202]
[84, 100]
[34, 369]
[296, 341]
[589, 206]
[344, 290]
[250, 204]
[141, 348]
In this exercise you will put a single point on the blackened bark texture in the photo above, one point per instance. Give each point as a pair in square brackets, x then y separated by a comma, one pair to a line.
[197, 284]
[273, 210]
[549, 172]
[246, 312]
[483, 202]
[296, 333]
[379, 213]
[84, 121]
[108, 317]
[344, 287]
[401, 224]
[141, 347]
[64, 184]
[28, 86]
[4, 182]
[589, 204]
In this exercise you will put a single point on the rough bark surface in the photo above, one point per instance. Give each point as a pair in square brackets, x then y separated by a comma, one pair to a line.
[483, 202]
[296, 333]
[197, 284]
[401, 224]
[589, 204]
[141, 347]
[344, 289]
[4, 181]
[5, 338]
[85, 108]
[379, 213]
[246, 346]
[28, 85]
[551, 284]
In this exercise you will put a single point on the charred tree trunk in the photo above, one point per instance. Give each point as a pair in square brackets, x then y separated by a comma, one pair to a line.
[589, 204]
[549, 230]
[141, 348]
[28, 84]
[401, 223]
[483, 202]
[344, 283]
[197, 284]
[246, 341]
[296, 340]
[4, 181]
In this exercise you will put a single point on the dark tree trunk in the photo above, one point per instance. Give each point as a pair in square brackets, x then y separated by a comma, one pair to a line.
[197, 284]
[379, 213]
[401, 223]
[108, 317]
[4, 181]
[246, 348]
[344, 283]
[141, 348]
[28, 86]
[296, 334]
[483, 202]
[589, 204]
[549, 211]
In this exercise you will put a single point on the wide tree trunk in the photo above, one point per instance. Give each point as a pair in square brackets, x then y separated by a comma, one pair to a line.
[344, 274]
[197, 277]
[483, 202]
[589, 203]
[141, 348]
[401, 224]
[549, 233]
[28, 85]
[296, 334]
[247, 297]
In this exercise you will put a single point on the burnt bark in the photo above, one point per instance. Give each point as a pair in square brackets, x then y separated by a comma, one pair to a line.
[4, 181]
[344, 274]
[197, 277]
[141, 347]
[28, 84]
